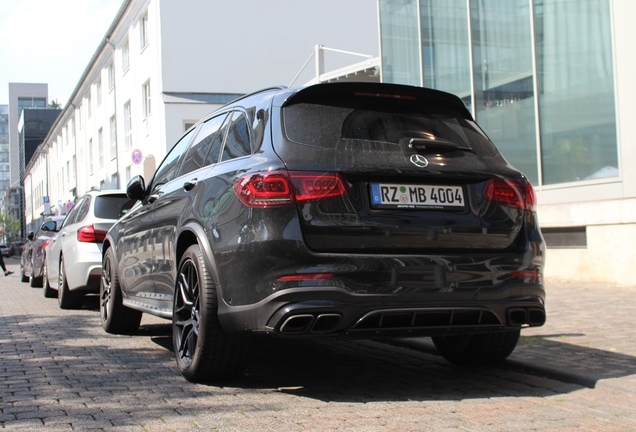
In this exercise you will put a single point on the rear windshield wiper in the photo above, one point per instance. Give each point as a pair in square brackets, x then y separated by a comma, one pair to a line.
[432, 143]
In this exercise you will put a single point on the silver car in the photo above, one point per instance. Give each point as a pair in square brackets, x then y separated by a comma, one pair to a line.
[73, 264]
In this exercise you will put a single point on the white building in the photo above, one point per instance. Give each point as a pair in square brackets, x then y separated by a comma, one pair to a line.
[163, 64]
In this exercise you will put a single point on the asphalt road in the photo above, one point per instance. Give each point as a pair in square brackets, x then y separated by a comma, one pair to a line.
[59, 370]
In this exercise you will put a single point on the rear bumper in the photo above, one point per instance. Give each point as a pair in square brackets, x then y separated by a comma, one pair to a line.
[337, 313]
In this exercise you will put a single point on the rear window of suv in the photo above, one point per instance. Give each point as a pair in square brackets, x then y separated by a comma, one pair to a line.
[112, 206]
[319, 124]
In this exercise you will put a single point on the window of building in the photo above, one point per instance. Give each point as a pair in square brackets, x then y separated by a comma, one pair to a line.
[73, 166]
[575, 77]
[30, 102]
[113, 137]
[503, 80]
[79, 116]
[98, 91]
[90, 156]
[114, 181]
[525, 104]
[72, 126]
[146, 99]
[143, 30]
[128, 174]
[100, 146]
[125, 56]
[128, 125]
[111, 77]
[89, 105]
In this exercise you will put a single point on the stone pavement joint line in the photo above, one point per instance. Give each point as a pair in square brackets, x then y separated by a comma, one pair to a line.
[60, 371]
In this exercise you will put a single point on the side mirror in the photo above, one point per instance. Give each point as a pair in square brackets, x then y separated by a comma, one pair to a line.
[49, 226]
[136, 188]
[30, 236]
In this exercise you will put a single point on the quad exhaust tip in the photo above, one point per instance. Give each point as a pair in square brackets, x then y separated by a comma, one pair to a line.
[526, 316]
[308, 323]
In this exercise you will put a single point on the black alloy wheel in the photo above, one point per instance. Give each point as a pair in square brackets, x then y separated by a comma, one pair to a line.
[47, 291]
[203, 350]
[66, 298]
[116, 318]
[478, 349]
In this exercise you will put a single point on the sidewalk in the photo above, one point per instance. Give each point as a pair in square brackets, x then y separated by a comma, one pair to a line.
[60, 371]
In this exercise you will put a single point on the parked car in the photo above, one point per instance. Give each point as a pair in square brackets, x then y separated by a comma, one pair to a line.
[32, 258]
[4, 249]
[73, 258]
[16, 248]
[350, 210]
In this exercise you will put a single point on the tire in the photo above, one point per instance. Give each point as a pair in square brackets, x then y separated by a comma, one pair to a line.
[47, 291]
[35, 282]
[203, 351]
[23, 277]
[116, 318]
[66, 298]
[478, 349]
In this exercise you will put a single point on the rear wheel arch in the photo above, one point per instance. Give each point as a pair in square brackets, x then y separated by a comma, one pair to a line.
[193, 233]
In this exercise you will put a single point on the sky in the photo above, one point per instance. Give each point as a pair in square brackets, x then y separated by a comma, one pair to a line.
[50, 41]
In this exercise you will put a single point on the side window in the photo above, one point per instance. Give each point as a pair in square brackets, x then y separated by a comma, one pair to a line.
[237, 143]
[82, 211]
[70, 218]
[207, 138]
[170, 165]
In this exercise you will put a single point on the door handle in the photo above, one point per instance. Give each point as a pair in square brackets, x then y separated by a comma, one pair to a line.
[189, 185]
[152, 198]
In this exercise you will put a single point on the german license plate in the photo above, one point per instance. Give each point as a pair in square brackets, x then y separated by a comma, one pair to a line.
[390, 195]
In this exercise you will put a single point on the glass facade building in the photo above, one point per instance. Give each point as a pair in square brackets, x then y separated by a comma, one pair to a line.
[537, 75]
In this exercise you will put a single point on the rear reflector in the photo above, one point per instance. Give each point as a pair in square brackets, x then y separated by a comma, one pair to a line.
[89, 234]
[511, 192]
[280, 188]
[306, 276]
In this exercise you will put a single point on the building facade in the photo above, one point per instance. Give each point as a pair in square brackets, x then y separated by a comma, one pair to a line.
[22, 96]
[548, 81]
[5, 165]
[163, 65]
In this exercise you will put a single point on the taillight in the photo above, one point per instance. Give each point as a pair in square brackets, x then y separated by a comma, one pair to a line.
[89, 234]
[511, 192]
[280, 188]
[46, 243]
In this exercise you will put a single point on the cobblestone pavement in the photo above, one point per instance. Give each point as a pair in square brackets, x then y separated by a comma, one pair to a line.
[60, 371]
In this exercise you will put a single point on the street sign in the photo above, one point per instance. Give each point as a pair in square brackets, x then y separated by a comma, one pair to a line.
[137, 156]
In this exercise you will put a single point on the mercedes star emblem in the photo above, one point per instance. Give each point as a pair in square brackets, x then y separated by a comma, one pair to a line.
[419, 161]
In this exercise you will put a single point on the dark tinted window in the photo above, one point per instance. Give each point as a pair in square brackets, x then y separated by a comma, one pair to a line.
[237, 143]
[170, 165]
[326, 125]
[208, 140]
[112, 206]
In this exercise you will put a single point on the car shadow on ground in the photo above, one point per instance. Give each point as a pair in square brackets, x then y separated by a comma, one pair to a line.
[316, 367]
[343, 371]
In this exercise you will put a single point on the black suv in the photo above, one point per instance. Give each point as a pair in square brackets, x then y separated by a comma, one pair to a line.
[348, 210]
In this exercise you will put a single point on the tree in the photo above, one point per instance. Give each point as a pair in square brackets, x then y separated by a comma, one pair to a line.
[10, 226]
[54, 104]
